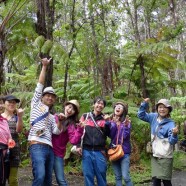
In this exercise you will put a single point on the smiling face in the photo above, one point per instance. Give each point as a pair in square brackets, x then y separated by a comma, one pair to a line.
[118, 110]
[163, 111]
[70, 110]
[98, 107]
[48, 99]
[10, 105]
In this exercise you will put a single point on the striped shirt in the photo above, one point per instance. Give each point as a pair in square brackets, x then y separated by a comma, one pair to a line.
[47, 124]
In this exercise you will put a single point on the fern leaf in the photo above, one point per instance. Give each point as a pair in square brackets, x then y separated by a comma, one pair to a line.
[39, 41]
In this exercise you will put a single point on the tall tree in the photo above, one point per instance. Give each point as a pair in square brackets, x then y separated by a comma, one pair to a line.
[44, 27]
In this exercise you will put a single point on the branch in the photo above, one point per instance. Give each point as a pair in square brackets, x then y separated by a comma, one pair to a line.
[11, 13]
[134, 67]
[9, 29]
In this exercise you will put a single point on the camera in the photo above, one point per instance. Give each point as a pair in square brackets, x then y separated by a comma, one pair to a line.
[40, 132]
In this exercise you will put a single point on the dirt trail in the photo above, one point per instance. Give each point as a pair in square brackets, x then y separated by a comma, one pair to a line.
[25, 178]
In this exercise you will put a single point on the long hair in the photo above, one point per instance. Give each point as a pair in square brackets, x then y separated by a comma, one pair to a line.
[121, 118]
[71, 119]
[123, 115]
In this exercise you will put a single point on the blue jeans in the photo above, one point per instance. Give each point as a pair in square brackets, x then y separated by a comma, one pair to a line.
[59, 171]
[42, 157]
[121, 169]
[94, 164]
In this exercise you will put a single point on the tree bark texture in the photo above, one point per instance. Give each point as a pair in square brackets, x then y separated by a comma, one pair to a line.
[108, 76]
[140, 61]
[2, 57]
[44, 27]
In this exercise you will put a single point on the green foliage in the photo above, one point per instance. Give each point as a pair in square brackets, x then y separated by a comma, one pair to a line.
[142, 172]
[179, 162]
[120, 92]
[39, 41]
[58, 53]
[25, 163]
[170, 32]
[46, 47]
[29, 78]
[94, 32]
[179, 110]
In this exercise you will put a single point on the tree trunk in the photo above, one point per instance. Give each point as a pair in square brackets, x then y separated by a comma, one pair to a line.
[172, 73]
[108, 77]
[2, 57]
[143, 79]
[140, 59]
[44, 27]
[98, 66]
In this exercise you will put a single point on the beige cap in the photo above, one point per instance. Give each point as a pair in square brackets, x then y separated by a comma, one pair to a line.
[74, 102]
[125, 106]
[164, 102]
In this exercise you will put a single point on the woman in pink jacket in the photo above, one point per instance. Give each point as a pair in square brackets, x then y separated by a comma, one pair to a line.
[5, 143]
[71, 133]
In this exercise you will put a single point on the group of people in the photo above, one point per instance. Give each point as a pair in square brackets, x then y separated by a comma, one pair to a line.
[50, 133]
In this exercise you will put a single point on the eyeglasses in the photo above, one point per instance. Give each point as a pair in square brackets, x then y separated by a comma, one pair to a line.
[119, 106]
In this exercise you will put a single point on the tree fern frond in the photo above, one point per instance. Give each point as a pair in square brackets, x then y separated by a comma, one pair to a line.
[46, 47]
[39, 41]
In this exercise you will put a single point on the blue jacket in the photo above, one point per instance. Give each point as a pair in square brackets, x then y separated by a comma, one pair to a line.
[124, 135]
[166, 125]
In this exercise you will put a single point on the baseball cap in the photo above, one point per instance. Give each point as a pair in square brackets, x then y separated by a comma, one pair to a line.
[49, 90]
[11, 97]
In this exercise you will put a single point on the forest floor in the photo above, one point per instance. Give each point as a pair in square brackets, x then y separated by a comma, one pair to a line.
[178, 179]
[25, 178]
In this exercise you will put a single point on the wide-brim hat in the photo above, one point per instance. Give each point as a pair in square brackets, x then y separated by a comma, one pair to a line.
[11, 97]
[74, 102]
[49, 90]
[165, 102]
[125, 106]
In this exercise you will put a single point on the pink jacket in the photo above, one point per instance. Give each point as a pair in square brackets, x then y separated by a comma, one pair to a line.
[72, 134]
[4, 131]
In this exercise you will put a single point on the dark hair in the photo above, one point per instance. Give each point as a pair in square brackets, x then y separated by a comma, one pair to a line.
[72, 119]
[100, 99]
[169, 111]
[2, 98]
[123, 115]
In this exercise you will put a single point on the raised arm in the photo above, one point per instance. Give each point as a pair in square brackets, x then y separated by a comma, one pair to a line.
[41, 81]
[19, 126]
[45, 63]
[142, 114]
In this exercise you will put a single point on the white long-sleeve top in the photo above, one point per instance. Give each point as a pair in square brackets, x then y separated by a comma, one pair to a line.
[49, 123]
